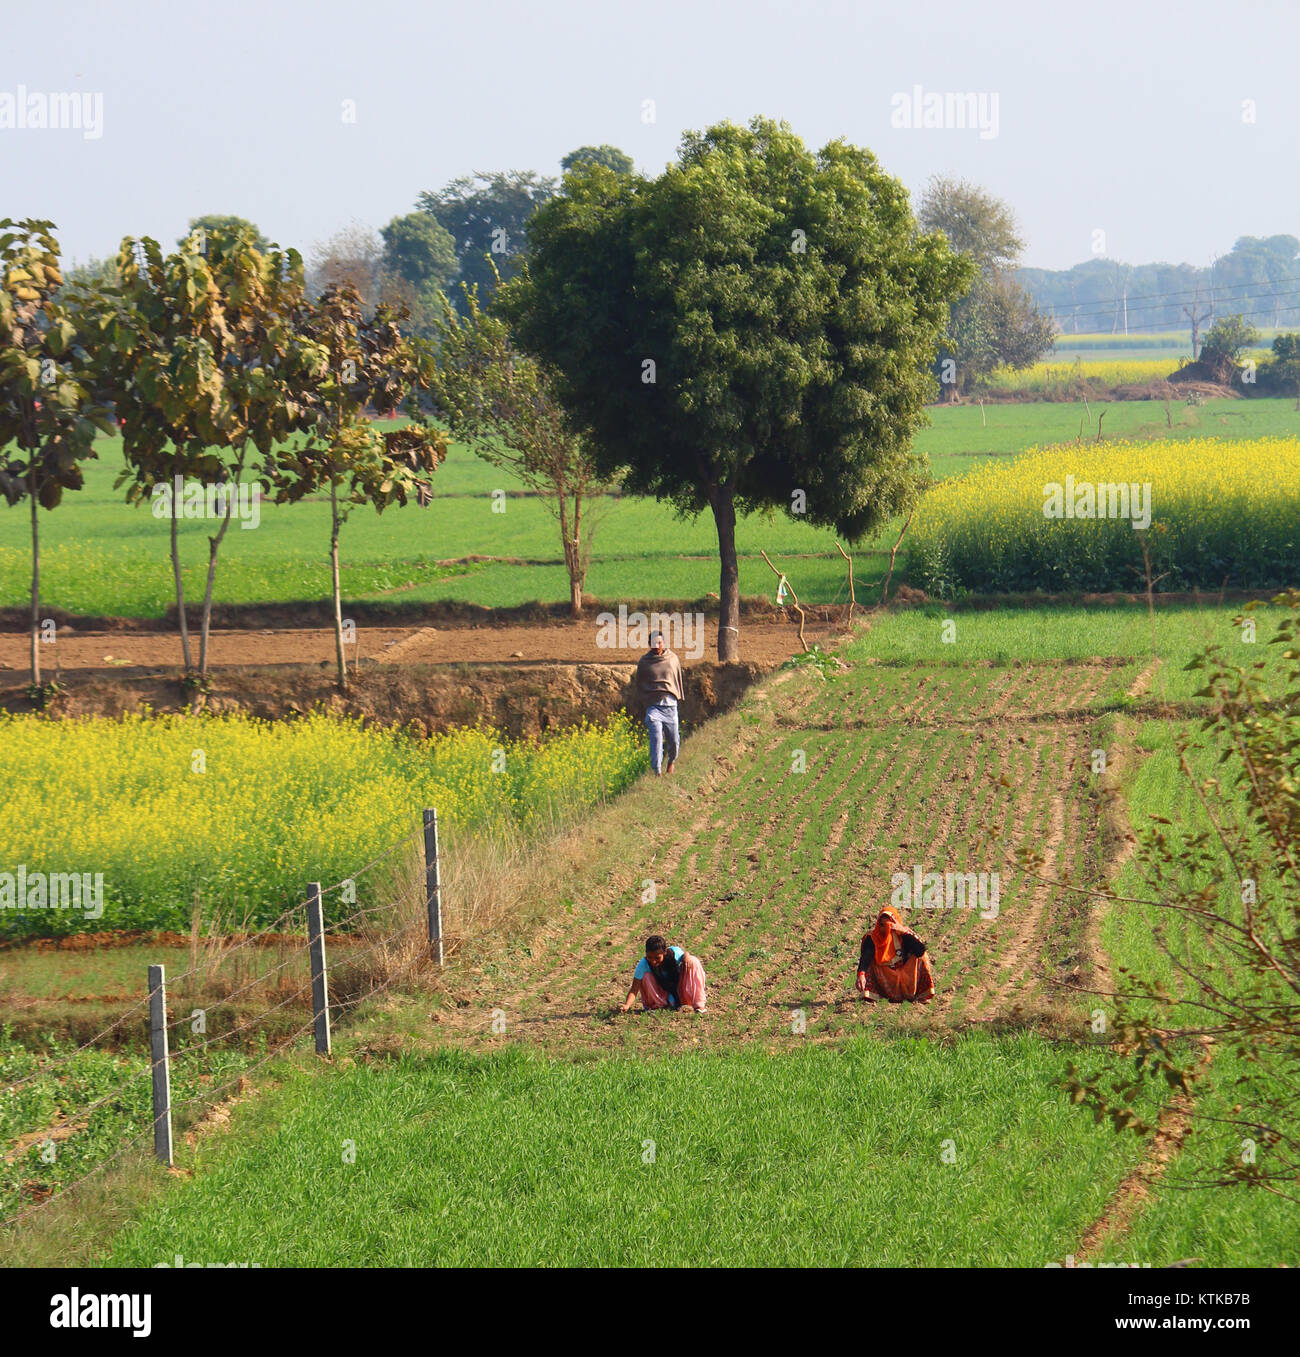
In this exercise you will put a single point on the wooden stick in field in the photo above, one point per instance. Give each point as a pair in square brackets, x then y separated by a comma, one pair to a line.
[889, 574]
[320, 1002]
[793, 595]
[852, 596]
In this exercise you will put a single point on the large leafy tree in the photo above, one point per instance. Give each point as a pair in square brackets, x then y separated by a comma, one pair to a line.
[996, 324]
[752, 329]
[359, 362]
[503, 404]
[48, 415]
[487, 216]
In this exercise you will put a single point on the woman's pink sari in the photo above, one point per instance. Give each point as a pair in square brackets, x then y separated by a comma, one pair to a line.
[690, 988]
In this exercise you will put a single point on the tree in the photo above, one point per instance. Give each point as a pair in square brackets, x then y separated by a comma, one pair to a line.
[503, 404]
[976, 223]
[352, 257]
[1284, 367]
[750, 330]
[487, 216]
[419, 262]
[48, 417]
[205, 363]
[1227, 338]
[359, 362]
[216, 223]
[996, 324]
[93, 271]
[608, 156]
[1225, 894]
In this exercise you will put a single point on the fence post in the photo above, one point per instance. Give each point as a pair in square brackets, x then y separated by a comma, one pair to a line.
[159, 1067]
[320, 1000]
[432, 884]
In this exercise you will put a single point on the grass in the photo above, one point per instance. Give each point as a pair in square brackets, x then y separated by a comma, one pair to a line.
[1246, 1228]
[62, 1121]
[737, 1159]
[103, 558]
[1123, 631]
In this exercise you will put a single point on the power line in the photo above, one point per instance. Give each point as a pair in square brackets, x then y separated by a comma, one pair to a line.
[1188, 292]
[1091, 310]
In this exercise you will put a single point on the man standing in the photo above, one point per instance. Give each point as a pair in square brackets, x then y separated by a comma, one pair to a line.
[659, 689]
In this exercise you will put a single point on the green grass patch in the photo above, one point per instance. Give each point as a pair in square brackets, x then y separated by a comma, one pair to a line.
[737, 1159]
[104, 558]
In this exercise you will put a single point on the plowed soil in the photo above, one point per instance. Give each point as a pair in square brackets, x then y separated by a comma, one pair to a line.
[568, 642]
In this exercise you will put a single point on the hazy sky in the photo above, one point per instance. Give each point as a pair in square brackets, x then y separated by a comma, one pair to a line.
[1122, 117]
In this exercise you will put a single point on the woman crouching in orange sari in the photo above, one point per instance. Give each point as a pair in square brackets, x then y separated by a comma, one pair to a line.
[893, 962]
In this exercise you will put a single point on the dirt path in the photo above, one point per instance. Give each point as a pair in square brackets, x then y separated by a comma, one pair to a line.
[566, 642]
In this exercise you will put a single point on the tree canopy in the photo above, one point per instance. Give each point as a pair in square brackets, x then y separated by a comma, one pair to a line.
[487, 217]
[608, 156]
[996, 324]
[749, 330]
[215, 221]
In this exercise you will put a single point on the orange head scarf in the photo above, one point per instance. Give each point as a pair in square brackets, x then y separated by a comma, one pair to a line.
[882, 935]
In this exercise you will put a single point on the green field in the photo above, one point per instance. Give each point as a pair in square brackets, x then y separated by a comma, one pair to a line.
[102, 558]
[741, 1159]
[442, 1135]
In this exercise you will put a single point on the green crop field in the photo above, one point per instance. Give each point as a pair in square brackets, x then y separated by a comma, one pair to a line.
[513, 1117]
[742, 1159]
[102, 558]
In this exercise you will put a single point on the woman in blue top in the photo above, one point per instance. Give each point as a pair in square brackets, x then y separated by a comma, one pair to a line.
[667, 977]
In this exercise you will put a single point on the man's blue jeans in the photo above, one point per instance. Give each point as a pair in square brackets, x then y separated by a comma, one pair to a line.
[665, 737]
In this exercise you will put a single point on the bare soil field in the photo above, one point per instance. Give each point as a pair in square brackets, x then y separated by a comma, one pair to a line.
[106, 651]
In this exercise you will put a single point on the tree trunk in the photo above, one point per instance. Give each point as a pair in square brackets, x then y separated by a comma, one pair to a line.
[214, 545]
[338, 593]
[575, 594]
[36, 584]
[573, 551]
[180, 588]
[724, 514]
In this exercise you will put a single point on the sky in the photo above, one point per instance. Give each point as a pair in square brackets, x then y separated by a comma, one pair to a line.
[1171, 130]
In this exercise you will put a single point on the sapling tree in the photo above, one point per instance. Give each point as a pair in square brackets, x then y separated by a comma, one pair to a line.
[359, 364]
[48, 414]
[202, 352]
[503, 404]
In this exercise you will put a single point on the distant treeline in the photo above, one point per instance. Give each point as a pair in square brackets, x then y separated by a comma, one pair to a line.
[1259, 279]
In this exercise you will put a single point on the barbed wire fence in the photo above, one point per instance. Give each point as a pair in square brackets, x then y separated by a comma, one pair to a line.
[418, 940]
